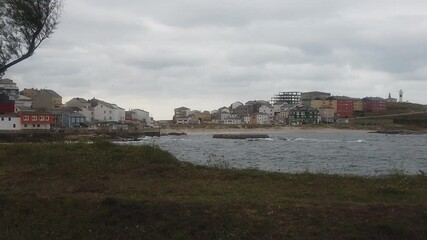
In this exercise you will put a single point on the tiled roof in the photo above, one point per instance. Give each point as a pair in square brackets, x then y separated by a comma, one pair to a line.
[51, 92]
[95, 102]
[373, 99]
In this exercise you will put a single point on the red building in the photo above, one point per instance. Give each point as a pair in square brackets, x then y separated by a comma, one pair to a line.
[6, 105]
[36, 120]
[374, 104]
[345, 106]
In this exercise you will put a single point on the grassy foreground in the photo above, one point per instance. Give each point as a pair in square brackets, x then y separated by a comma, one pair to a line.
[106, 191]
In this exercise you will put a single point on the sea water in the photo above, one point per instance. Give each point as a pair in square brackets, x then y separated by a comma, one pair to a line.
[355, 153]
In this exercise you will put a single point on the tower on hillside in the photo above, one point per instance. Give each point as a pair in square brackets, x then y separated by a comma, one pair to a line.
[401, 95]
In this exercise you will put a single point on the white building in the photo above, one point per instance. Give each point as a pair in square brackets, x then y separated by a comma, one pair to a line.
[230, 121]
[262, 118]
[187, 120]
[23, 102]
[235, 105]
[106, 112]
[282, 106]
[182, 112]
[140, 115]
[26, 121]
[224, 110]
[10, 122]
[247, 119]
[97, 110]
[266, 109]
[84, 106]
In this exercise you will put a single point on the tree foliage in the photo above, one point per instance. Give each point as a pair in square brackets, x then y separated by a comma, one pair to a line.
[24, 25]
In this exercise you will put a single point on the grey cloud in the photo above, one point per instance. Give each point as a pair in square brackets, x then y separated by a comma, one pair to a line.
[206, 53]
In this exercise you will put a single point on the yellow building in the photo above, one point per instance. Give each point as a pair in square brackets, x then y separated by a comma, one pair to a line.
[316, 103]
[358, 105]
[330, 102]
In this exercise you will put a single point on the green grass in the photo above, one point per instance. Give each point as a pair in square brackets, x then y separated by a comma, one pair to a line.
[106, 191]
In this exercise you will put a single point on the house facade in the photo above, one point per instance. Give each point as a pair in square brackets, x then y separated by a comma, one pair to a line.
[180, 114]
[22, 103]
[203, 117]
[303, 115]
[45, 99]
[69, 117]
[345, 107]
[358, 105]
[327, 114]
[36, 120]
[231, 121]
[140, 116]
[187, 120]
[307, 97]
[374, 104]
[241, 111]
[10, 122]
[106, 112]
[9, 88]
[261, 118]
[6, 104]
[235, 105]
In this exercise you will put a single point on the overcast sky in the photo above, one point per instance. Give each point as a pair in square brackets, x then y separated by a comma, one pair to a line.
[160, 55]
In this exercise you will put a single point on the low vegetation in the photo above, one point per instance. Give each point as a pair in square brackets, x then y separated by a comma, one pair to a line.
[106, 191]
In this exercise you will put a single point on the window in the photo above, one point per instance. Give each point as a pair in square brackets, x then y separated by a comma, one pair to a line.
[47, 118]
[110, 111]
[10, 119]
[34, 118]
[41, 118]
[34, 125]
[25, 125]
[38, 125]
[73, 120]
[110, 118]
[14, 125]
[105, 111]
[26, 117]
[2, 118]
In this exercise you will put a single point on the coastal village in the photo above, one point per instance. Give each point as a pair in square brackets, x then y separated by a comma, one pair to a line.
[43, 109]
[293, 108]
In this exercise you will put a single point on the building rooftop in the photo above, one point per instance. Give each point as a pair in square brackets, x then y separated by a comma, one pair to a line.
[373, 99]
[95, 102]
[50, 92]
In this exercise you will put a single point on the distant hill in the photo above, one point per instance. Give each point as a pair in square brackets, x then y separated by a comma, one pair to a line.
[413, 115]
[393, 108]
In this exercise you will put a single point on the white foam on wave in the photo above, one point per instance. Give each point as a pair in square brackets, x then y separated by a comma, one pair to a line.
[260, 139]
[315, 140]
